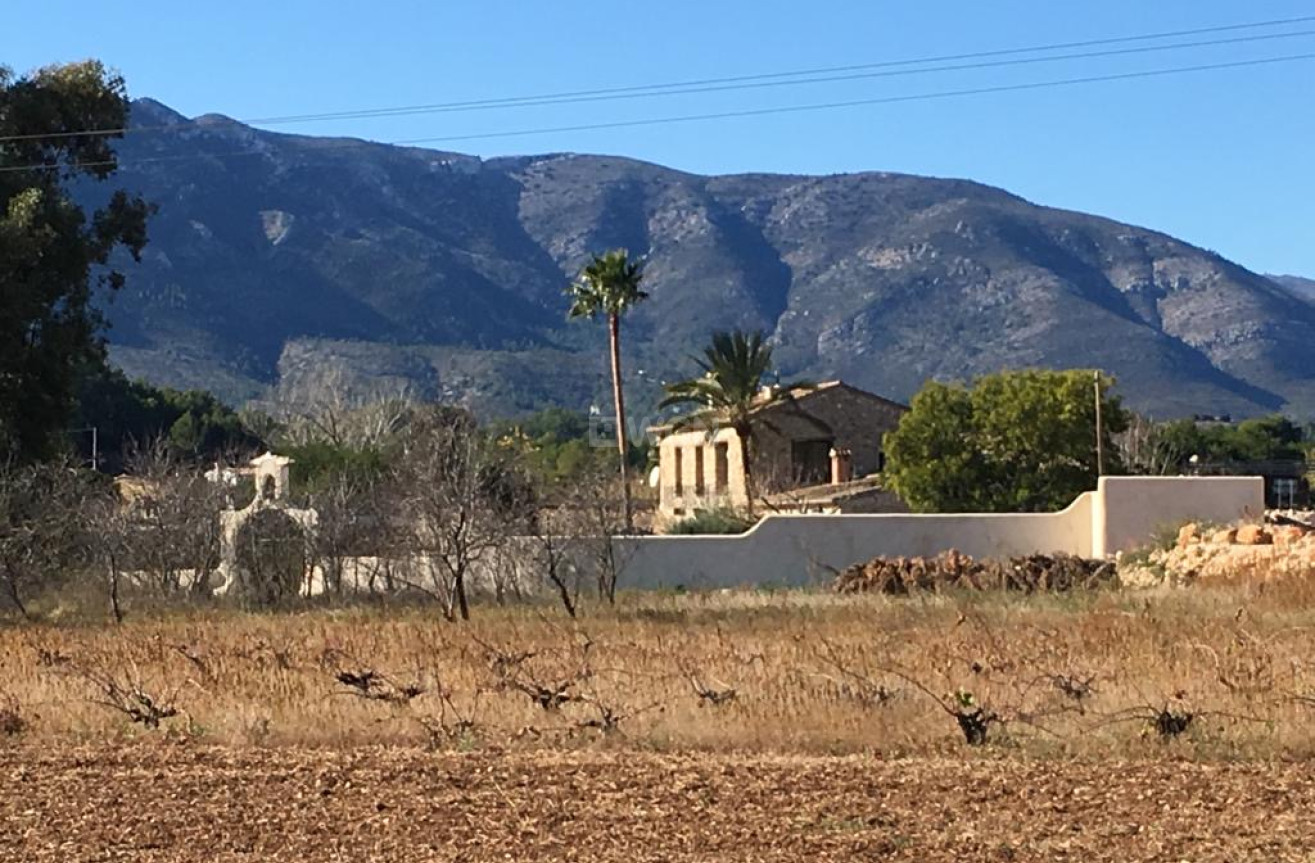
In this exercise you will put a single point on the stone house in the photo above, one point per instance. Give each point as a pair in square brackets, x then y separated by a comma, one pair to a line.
[824, 437]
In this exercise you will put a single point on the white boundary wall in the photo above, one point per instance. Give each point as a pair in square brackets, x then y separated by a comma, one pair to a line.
[797, 550]
[1132, 508]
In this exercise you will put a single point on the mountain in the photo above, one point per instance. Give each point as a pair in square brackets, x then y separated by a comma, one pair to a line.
[1302, 288]
[282, 263]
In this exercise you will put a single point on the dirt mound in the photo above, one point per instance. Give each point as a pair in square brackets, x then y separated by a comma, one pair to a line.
[955, 571]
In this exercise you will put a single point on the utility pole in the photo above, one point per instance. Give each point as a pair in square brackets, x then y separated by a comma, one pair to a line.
[95, 444]
[1100, 432]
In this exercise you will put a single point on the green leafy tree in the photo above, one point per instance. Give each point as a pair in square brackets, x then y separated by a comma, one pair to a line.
[610, 286]
[205, 427]
[318, 466]
[1271, 438]
[1019, 441]
[185, 435]
[53, 254]
[735, 366]
[554, 445]
[557, 424]
[931, 459]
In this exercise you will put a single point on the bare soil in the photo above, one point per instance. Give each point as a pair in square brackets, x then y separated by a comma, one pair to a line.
[170, 801]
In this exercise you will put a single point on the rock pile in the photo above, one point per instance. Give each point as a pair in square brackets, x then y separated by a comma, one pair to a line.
[1302, 517]
[1249, 550]
[955, 571]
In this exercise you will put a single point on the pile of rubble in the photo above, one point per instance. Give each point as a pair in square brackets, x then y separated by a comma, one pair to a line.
[1283, 547]
[1302, 517]
[955, 571]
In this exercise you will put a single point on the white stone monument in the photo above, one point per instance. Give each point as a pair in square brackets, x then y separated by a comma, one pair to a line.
[270, 473]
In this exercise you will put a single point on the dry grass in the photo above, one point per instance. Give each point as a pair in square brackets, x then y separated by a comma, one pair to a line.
[1080, 675]
[302, 736]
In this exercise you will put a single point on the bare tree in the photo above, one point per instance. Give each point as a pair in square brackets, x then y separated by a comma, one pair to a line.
[41, 536]
[127, 694]
[353, 521]
[783, 488]
[1145, 450]
[460, 499]
[171, 538]
[556, 533]
[578, 533]
[600, 519]
[111, 528]
[332, 414]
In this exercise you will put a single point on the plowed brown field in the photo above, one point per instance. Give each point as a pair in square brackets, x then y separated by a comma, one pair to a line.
[170, 802]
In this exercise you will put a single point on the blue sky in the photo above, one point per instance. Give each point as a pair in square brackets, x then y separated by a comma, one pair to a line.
[1222, 159]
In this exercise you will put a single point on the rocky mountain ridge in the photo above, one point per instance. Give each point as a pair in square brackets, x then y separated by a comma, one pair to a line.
[278, 262]
[1303, 289]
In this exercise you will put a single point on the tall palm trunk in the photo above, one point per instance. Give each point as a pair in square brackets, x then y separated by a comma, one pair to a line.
[745, 434]
[618, 398]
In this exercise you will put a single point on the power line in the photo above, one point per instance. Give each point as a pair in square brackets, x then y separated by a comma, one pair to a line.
[720, 115]
[762, 80]
[857, 76]
[976, 55]
[886, 100]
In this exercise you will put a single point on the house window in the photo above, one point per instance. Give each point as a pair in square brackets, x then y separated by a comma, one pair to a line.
[721, 473]
[680, 470]
[811, 461]
[699, 488]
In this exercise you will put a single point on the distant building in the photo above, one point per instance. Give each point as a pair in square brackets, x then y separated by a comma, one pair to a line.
[816, 450]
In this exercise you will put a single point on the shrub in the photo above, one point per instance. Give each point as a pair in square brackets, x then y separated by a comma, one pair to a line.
[712, 521]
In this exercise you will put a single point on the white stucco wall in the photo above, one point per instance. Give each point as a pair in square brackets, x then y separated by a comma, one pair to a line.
[1130, 509]
[797, 550]
[1123, 513]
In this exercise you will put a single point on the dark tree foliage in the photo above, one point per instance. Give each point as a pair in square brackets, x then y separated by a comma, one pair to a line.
[319, 466]
[1272, 438]
[53, 254]
[131, 414]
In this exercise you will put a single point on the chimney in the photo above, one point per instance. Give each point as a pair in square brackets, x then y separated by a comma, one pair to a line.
[842, 466]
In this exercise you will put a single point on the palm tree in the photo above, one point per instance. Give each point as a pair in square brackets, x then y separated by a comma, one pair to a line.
[731, 389]
[609, 285]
